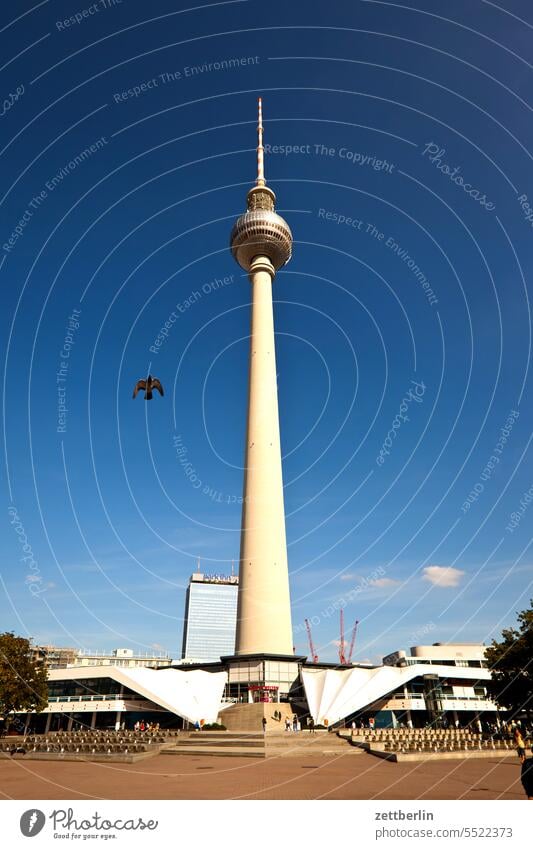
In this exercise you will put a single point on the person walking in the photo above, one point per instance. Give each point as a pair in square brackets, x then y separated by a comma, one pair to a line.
[287, 724]
[264, 722]
[527, 777]
[295, 723]
[311, 724]
[520, 744]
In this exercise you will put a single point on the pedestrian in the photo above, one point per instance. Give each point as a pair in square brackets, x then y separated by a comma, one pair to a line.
[353, 727]
[520, 744]
[264, 722]
[311, 723]
[287, 724]
[527, 777]
[295, 723]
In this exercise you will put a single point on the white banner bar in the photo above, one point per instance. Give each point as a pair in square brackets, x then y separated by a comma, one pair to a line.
[264, 824]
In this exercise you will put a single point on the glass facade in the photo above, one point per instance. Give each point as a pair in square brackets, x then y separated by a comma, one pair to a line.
[90, 688]
[210, 620]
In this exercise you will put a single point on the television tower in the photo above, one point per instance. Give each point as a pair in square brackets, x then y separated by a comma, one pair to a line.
[261, 243]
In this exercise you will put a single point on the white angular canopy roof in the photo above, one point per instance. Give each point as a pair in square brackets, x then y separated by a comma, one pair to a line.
[333, 694]
[193, 694]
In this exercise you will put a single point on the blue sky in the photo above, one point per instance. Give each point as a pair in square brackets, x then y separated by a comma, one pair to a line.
[400, 139]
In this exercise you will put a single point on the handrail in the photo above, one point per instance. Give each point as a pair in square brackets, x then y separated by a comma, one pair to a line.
[97, 698]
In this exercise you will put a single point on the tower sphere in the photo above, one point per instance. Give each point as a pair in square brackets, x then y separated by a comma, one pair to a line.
[260, 231]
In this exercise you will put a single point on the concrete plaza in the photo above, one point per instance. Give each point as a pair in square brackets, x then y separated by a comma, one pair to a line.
[308, 776]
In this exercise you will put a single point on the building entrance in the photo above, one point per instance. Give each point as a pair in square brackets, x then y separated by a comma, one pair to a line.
[263, 693]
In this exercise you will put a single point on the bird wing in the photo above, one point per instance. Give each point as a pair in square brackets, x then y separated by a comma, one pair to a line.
[141, 384]
[156, 384]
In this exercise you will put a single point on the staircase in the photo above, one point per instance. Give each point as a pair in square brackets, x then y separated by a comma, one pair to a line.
[273, 744]
[288, 744]
[225, 744]
[249, 716]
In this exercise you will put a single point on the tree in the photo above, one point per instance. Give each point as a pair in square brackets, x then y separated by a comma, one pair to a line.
[22, 679]
[511, 664]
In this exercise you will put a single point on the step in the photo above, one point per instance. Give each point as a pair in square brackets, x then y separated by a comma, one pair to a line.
[215, 751]
[315, 751]
[221, 735]
[230, 741]
[307, 740]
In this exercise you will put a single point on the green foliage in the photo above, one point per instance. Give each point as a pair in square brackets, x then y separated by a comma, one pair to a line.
[213, 726]
[22, 680]
[511, 663]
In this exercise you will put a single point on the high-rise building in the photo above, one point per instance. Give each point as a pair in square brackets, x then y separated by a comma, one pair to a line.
[210, 617]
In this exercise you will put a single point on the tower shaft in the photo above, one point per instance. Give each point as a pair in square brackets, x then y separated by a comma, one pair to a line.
[263, 614]
[261, 242]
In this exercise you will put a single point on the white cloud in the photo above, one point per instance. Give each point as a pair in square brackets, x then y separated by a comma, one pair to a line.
[442, 576]
[348, 577]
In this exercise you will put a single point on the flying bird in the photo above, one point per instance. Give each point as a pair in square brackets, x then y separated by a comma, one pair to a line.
[147, 386]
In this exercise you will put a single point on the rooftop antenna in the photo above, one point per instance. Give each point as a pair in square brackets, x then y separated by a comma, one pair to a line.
[260, 149]
[232, 569]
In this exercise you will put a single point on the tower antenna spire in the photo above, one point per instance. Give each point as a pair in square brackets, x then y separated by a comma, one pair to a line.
[260, 149]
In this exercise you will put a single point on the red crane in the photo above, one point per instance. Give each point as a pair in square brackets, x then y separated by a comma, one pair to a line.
[314, 655]
[342, 646]
[352, 641]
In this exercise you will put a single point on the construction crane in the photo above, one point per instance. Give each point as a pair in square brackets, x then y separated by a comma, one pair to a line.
[346, 658]
[314, 655]
[342, 645]
[352, 641]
